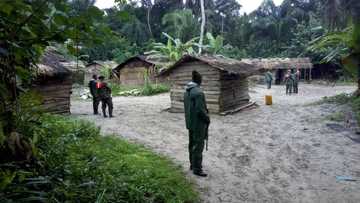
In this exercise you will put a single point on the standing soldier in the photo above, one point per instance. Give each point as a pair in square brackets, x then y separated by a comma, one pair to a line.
[197, 122]
[104, 92]
[268, 79]
[94, 93]
[288, 82]
[296, 82]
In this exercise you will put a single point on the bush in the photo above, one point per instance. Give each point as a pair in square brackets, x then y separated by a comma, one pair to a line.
[76, 164]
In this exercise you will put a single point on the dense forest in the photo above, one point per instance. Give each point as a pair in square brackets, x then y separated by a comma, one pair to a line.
[269, 31]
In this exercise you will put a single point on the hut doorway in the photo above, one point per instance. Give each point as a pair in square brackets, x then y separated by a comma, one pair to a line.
[279, 74]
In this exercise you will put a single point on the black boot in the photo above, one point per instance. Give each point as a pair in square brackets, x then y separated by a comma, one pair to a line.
[200, 173]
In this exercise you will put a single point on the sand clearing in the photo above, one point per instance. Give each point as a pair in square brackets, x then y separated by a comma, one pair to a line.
[280, 153]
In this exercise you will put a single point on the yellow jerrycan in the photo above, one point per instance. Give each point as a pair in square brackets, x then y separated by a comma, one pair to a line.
[268, 99]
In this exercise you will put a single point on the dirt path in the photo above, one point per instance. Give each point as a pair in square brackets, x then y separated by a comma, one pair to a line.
[279, 153]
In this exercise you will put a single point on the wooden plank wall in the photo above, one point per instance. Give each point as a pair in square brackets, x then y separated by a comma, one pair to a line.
[234, 92]
[132, 75]
[55, 96]
[210, 85]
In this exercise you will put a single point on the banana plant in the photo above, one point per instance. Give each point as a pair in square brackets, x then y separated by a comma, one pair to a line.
[215, 44]
[174, 49]
[344, 45]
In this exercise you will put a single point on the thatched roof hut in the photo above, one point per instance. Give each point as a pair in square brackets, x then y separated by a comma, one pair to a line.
[95, 68]
[53, 82]
[225, 83]
[279, 65]
[134, 70]
[77, 69]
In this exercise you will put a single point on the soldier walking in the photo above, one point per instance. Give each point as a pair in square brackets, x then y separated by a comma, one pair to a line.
[197, 122]
[268, 79]
[94, 94]
[288, 82]
[104, 92]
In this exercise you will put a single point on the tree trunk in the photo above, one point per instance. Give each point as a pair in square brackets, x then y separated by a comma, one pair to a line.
[203, 20]
[148, 21]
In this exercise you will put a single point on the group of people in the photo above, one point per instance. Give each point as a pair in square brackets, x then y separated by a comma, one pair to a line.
[291, 81]
[101, 92]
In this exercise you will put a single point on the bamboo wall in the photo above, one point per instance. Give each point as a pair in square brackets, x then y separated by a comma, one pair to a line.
[210, 85]
[55, 95]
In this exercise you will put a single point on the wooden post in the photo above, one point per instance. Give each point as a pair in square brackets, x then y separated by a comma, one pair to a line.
[310, 74]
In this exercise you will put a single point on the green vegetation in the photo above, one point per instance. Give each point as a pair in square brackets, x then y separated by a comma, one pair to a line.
[145, 90]
[338, 117]
[74, 163]
[344, 99]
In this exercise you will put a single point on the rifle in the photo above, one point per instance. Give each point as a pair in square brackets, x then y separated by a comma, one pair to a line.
[207, 137]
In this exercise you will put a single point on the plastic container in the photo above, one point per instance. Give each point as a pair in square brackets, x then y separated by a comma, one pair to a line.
[268, 99]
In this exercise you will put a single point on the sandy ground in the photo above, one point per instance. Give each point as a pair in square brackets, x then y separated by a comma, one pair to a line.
[280, 153]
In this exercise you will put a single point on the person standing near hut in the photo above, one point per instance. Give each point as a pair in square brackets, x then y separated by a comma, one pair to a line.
[296, 81]
[94, 93]
[268, 79]
[104, 92]
[197, 122]
[288, 82]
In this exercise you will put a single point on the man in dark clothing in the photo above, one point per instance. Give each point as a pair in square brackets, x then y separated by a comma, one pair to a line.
[197, 122]
[94, 93]
[104, 92]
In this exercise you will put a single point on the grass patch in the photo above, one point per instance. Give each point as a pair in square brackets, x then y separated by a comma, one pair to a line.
[145, 90]
[337, 99]
[76, 164]
[338, 117]
[344, 99]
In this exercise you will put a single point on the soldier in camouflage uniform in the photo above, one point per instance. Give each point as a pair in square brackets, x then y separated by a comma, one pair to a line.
[104, 92]
[296, 77]
[197, 122]
[288, 82]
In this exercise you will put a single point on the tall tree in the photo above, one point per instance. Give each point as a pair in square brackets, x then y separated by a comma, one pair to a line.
[203, 22]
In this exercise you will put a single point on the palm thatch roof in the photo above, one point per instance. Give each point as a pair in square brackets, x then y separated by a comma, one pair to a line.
[141, 58]
[51, 65]
[146, 59]
[280, 63]
[100, 63]
[228, 65]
